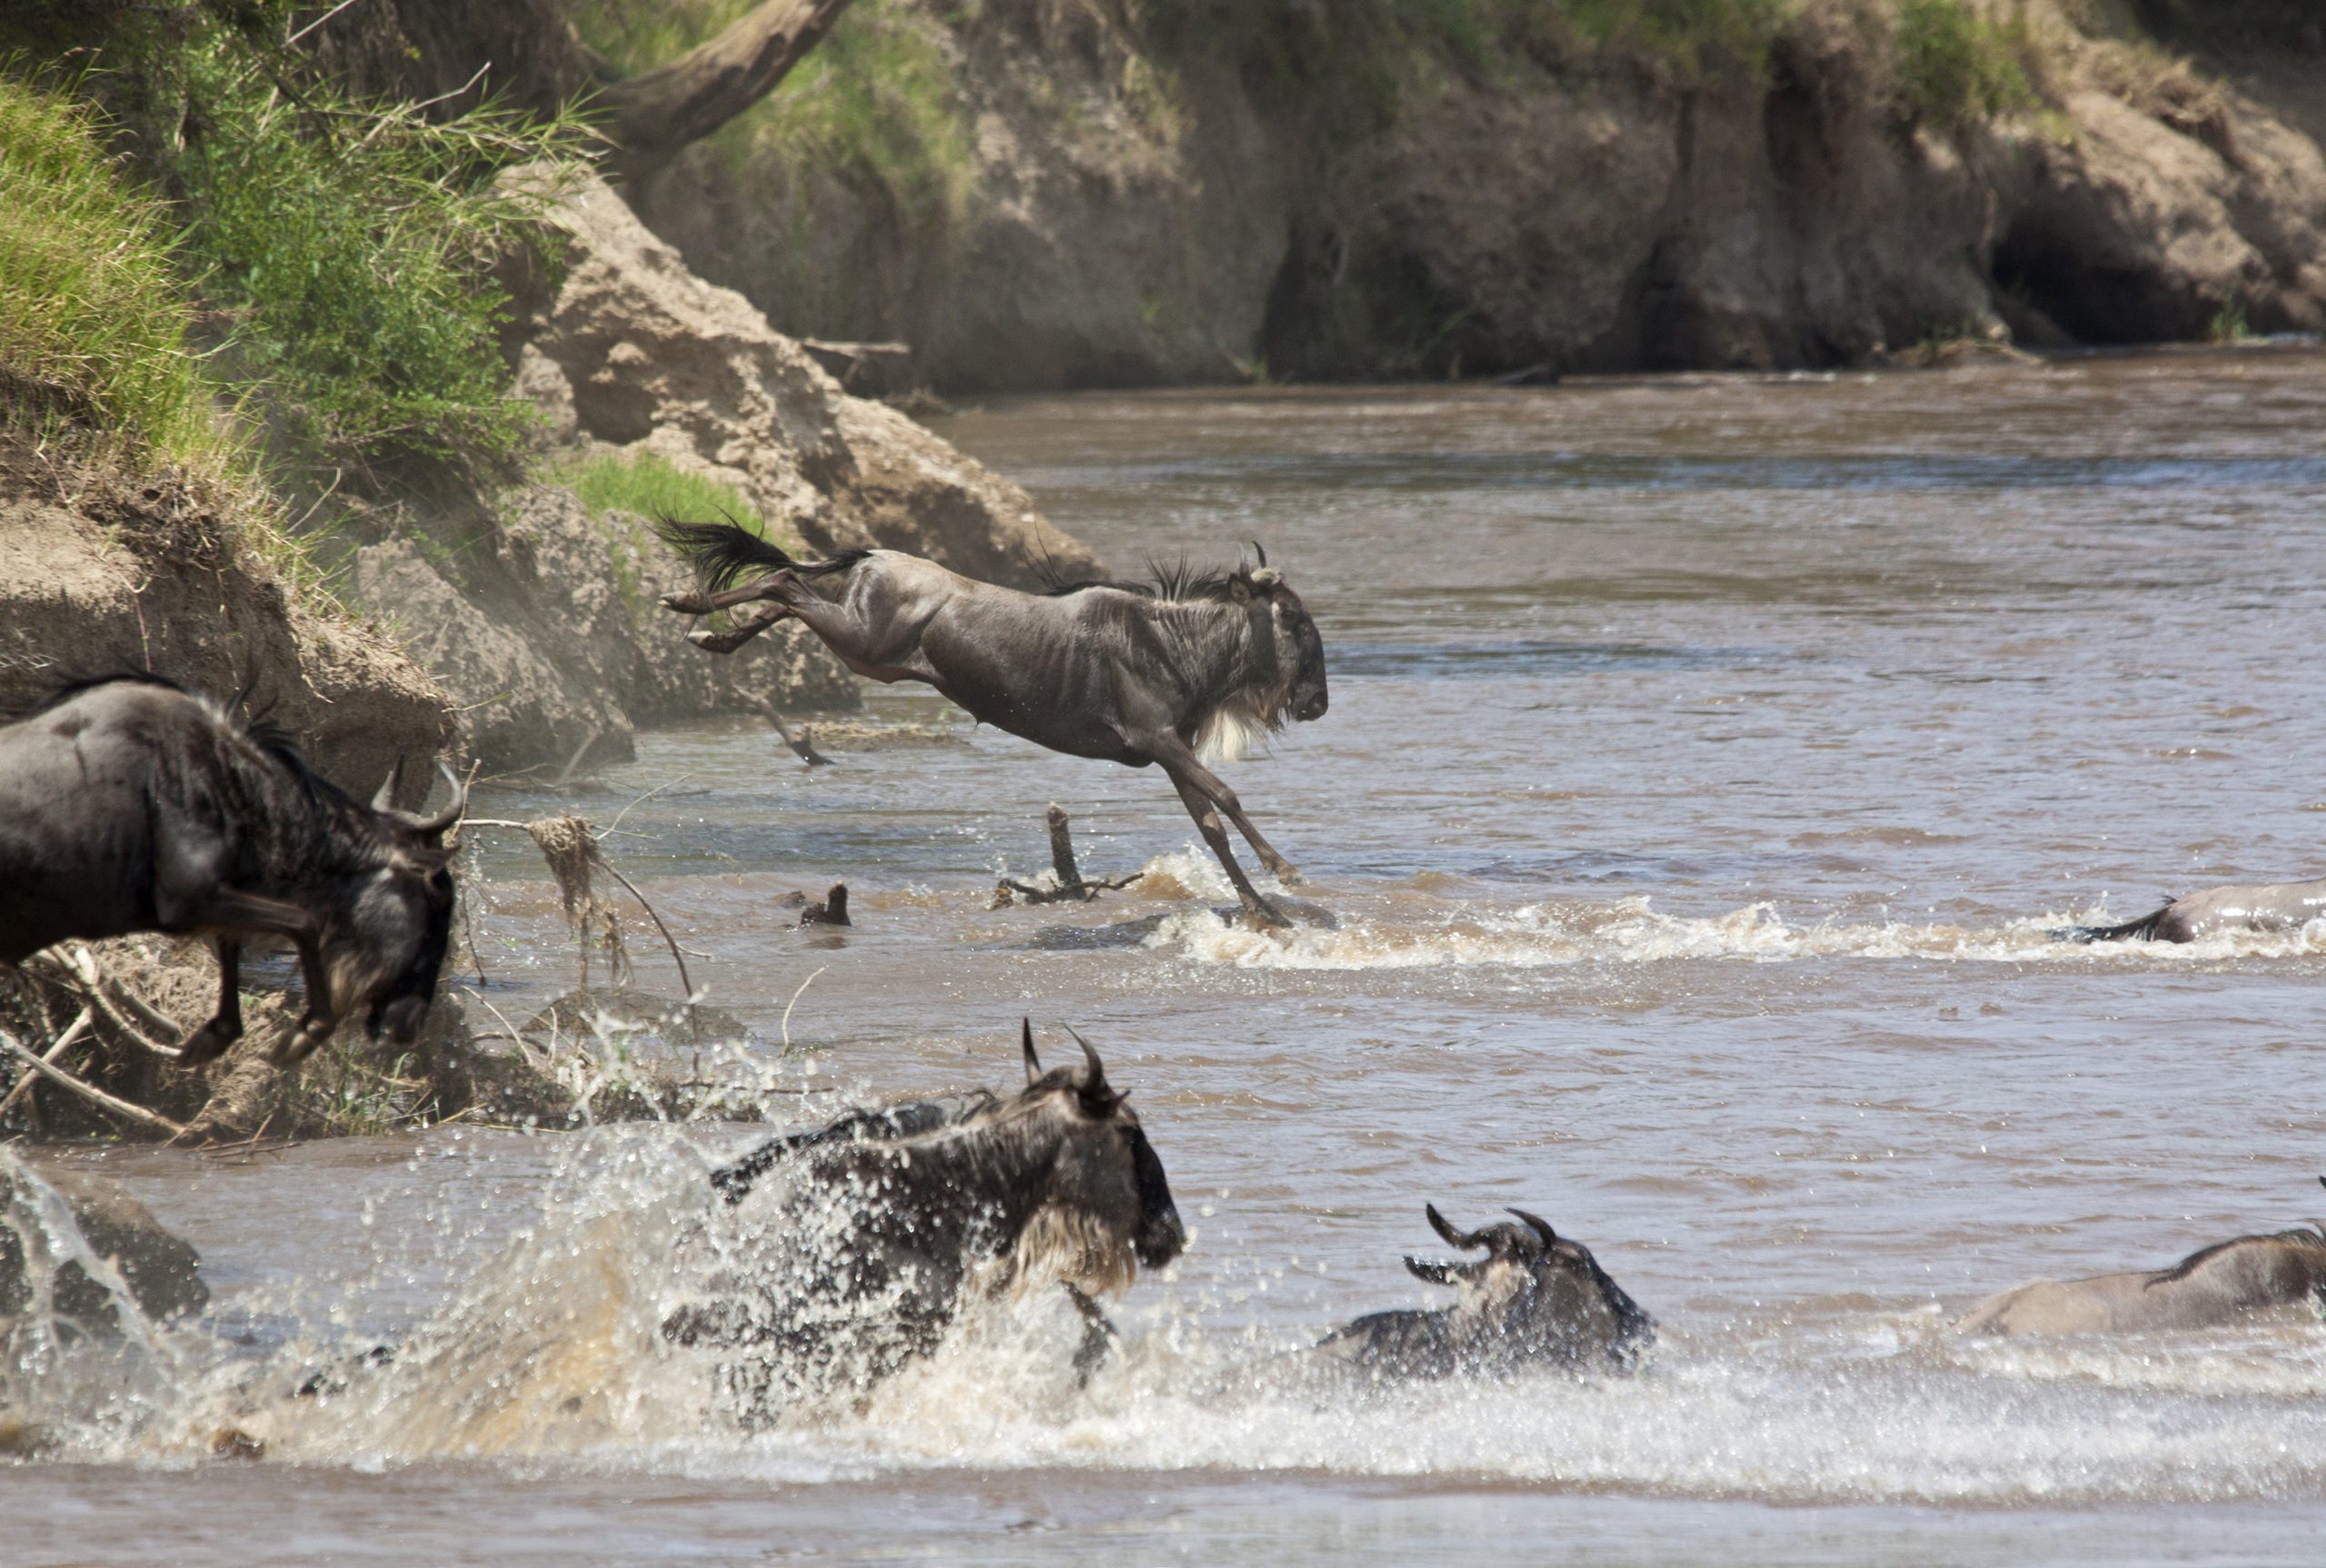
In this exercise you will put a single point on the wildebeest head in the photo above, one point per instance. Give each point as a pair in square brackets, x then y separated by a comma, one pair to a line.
[1300, 650]
[1105, 1192]
[394, 929]
[1540, 1293]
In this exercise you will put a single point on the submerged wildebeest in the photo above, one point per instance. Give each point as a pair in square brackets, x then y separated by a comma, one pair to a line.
[129, 804]
[2214, 1285]
[2236, 907]
[1535, 1299]
[852, 1248]
[1193, 670]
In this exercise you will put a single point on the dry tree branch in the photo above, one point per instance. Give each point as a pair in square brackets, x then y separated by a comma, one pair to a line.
[91, 1093]
[25, 1081]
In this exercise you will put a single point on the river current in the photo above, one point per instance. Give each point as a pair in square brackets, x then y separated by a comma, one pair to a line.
[1709, 758]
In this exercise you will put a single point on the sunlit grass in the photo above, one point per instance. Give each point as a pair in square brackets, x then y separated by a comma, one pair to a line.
[94, 318]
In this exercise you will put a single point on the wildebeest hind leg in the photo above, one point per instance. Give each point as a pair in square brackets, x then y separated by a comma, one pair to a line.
[737, 635]
[1199, 807]
[208, 1043]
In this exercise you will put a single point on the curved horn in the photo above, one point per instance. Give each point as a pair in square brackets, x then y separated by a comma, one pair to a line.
[452, 813]
[1453, 1237]
[1261, 551]
[1539, 1225]
[386, 798]
[1026, 1043]
[1094, 1082]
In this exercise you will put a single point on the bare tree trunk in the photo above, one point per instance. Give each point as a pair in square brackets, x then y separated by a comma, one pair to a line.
[653, 114]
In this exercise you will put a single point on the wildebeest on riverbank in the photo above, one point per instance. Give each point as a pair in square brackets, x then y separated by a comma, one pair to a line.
[2234, 907]
[1535, 1299]
[129, 804]
[845, 1252]
[2213, 1284]
[1192, 670]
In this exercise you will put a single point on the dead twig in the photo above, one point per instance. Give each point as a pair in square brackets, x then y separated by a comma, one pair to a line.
[667, 940]
[800, 744]
[795, 1002]
[1067, 875]
[64, 1042]
[91, 1093]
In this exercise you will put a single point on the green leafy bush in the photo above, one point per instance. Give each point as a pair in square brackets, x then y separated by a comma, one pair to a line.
[350, 247]
[94, 318]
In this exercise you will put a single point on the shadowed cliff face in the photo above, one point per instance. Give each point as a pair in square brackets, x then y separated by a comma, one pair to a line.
[1136, 214]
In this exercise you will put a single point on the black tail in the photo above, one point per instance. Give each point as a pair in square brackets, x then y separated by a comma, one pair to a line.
[2143, 929]
[723, 551]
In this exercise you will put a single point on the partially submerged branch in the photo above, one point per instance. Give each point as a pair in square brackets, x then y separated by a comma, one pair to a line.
[1067, 881]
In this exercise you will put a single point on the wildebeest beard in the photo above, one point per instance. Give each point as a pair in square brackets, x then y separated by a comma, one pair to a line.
[843, 1254]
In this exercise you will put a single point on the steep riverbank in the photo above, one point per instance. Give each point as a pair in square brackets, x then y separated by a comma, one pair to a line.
[1040, 197]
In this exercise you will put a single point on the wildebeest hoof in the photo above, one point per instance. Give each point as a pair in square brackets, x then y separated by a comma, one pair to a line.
[234, 1443]
[206, 1044]
[711, 641]
[1288, 876]
[682, 603]
[299, 1046]
[1263, 915]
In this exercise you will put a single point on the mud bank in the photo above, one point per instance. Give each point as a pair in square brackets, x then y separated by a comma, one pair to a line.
[1112, 197]
[100, 573]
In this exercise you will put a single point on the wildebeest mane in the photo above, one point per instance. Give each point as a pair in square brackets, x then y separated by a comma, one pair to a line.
[1177, 583]
[2312, 1237]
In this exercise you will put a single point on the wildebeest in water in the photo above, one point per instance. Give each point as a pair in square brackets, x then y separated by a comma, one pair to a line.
[846, 1252]
[129, 804]
[1192, 670]
[2236, 907]
[2214, 1285]
[1535, 1299]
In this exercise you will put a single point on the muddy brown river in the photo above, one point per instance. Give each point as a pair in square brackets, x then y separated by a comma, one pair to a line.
[1708, 759]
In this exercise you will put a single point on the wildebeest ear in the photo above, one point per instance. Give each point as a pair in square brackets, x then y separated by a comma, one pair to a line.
[1436, 1273]
[1026, 1043]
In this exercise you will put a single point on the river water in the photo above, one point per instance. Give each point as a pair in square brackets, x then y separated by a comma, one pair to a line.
[1708, 758]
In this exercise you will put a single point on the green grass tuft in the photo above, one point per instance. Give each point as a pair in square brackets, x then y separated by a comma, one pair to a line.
[650, 485]
[95, 322]
[1955, 66]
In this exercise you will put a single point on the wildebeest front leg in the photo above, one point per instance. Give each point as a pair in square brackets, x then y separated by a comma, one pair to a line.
[1181, 759]
[233, 915]
[208, 1043]
[1199, 807]
[1097, 1335]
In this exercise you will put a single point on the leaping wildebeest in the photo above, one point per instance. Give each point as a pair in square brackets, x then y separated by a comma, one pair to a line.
[848, 1251]
[2214, 1285]
[1192, 671]
[1535, 1299]
[2236, 907]
[130, 804]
